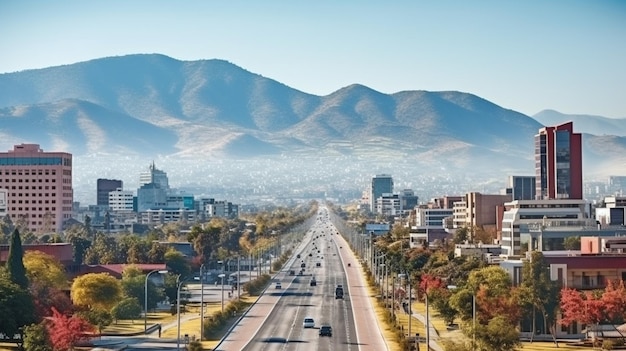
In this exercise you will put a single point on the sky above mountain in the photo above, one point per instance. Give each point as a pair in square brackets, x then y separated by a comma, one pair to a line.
[527, 56]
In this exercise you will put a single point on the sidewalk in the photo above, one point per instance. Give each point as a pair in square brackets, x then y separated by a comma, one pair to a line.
[434, 335]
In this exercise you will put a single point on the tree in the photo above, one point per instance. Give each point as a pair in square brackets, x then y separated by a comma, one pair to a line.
[65, 332]
[36, 338]
[96, 290]
[177, 263]
[134, 286]
[44, 270]
[102, 251]
[540, 291]
[15, 263]
[498, 335]
[16, 307]
[97, 317]
[129, 308]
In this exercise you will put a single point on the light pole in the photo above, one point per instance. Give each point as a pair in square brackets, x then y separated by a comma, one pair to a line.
[238, 279]
[201, 300]
[180, 283]
[145, 301]
[222, 276]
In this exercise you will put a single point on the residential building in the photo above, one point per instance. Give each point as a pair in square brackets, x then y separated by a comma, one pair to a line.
[558, 163]
[39, 187]
[381, 184]
[103, 188]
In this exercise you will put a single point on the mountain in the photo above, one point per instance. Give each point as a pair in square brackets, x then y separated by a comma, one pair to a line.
[590, 124]
[152, 106]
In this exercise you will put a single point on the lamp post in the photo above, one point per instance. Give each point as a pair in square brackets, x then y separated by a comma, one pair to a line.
[222, 276]
[145, 301]
[201, 300]
[238, 279]
[180, 283]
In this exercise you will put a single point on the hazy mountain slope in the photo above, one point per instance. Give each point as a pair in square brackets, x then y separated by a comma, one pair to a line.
[84, 127]
[153, 104]
[596, 125]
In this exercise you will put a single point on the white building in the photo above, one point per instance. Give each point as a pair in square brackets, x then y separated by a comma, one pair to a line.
[121, 200]
[522, 215]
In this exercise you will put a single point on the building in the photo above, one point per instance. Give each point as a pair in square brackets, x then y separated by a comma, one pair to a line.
[521, 187]
[408, 200]
[381, 184]
[558, 163]
[429, 225]
[121, 200]
[103, 188]
[520, 217]
[617, 185]
[151, 196]
[478, 210]
[3, 203]
[614, 212]
[154, 175]
[39, 187]
[388, 205]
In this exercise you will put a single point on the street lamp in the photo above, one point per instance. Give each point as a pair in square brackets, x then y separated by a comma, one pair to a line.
[180, 283]
[145, 305]
[201, 300]
[222, 276]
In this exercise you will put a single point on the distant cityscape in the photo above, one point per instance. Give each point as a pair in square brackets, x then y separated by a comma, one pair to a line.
[39, 187]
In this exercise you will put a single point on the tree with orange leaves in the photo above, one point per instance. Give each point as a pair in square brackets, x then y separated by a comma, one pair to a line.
[66, 332]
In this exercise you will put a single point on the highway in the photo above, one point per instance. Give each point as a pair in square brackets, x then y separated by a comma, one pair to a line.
[275, 322]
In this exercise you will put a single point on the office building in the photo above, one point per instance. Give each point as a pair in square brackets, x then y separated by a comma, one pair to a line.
[121, 200]
[154, 175]
[103, 188]
[521, 187]
[38, 186]
[558, 163]
[381, 184]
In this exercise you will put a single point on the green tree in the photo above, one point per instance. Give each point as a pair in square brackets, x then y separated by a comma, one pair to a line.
[102, 251]
[16, 306]
[128, 308]
[96, 290]
[134, 286]
[498, 335]
[540, 291]
[44, 270]
[36, 338]
[177, 263]
[15, 263]
[97, 317]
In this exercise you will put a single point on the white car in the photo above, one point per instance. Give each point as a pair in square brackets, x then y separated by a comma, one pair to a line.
[308, 322]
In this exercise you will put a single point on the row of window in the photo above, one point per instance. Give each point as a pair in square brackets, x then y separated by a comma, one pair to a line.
[26, 180]
[47, 209]
[33, 201]
[30, 172]
[20, 187]
[35, 161]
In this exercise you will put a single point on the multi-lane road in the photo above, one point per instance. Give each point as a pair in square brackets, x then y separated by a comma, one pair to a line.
[275, 322]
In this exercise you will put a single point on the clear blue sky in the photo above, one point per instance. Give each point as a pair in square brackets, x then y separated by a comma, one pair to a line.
[566, 55]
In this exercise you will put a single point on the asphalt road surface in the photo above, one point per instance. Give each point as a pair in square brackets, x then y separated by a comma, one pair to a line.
[275, 322]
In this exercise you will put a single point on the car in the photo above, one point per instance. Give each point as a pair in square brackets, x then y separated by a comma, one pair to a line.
[279, 286]
[298, 256]
[318, 264]
[303, 265]
[292, 272]
[326, 330]
[308, 322]
[313, 282]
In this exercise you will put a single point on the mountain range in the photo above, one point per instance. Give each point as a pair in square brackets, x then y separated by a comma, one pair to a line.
[151, 105]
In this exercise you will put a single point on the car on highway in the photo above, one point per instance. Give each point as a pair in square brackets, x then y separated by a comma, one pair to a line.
[326, 330]
[279, 286]
[313, 282]
[308, 322]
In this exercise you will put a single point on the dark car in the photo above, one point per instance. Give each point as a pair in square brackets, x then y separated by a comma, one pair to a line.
[313, 282]
[326, 330]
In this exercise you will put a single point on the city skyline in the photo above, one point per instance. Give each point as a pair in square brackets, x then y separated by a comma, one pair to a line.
[561, 55]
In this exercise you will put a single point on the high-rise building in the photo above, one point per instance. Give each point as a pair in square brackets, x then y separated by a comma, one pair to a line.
[381, 184]
[104, 187]
[39, 187]
[558, 163]
[156, 176]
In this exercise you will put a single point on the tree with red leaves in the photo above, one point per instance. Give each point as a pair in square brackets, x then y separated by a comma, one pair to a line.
[65, 332]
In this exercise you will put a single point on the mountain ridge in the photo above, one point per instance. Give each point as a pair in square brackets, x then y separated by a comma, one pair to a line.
[152, 104]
